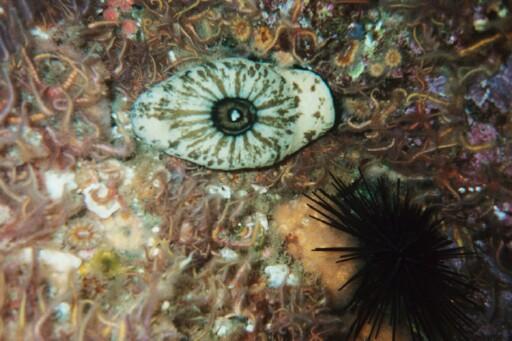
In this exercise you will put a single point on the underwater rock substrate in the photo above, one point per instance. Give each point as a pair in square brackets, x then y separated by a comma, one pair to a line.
[234, 113]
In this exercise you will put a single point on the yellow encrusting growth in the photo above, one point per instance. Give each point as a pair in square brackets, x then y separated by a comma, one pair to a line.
[106, 263]
[293, 222]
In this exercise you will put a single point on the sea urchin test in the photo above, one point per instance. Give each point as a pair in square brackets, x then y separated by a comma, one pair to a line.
[234, 113]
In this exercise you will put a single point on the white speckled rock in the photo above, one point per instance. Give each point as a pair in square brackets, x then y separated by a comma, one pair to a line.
[234, 113]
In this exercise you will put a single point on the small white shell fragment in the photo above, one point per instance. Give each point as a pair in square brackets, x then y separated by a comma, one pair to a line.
[228, 254]
[249, 327]
[259, 189]
[5, 214]
[154, 252]
[262, 220]
[223, 191]
[277, 275]
[171, 55]
[165, 305]
[58, 261]
[241, 193]
[234, 113]
[128, 176]
[85, 254]
[57, 182]
[62, 311]
[151, 242]
[102, 210]
[186, 262]
[38, 32]
[292, 280]
[56, 266]
[227, 325]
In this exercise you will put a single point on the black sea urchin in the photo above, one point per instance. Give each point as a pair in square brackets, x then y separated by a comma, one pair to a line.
[404, 275]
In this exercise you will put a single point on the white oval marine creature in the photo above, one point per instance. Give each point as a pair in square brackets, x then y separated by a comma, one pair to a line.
[234, 113]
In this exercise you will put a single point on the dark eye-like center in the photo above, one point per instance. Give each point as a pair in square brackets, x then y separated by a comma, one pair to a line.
[233, 116]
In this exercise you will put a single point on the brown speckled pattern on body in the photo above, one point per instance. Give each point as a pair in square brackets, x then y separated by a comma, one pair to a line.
[176, 114]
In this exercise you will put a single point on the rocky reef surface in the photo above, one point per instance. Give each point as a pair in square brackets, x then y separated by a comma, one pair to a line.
[105, 238]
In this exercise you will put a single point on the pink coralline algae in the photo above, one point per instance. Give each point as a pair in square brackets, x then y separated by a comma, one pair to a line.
[123, 5]
[116, 6]
[495, 90]
[129, 27]
[482, 133]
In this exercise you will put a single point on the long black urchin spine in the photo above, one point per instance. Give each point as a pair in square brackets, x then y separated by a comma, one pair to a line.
[405, 277]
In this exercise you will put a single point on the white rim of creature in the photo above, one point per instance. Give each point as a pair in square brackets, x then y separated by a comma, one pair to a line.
[234, 113]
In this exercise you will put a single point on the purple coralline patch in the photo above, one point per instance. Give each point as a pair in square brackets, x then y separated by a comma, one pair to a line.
[437, 85]
[484, 158]
[495, 90]
[481, 133]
